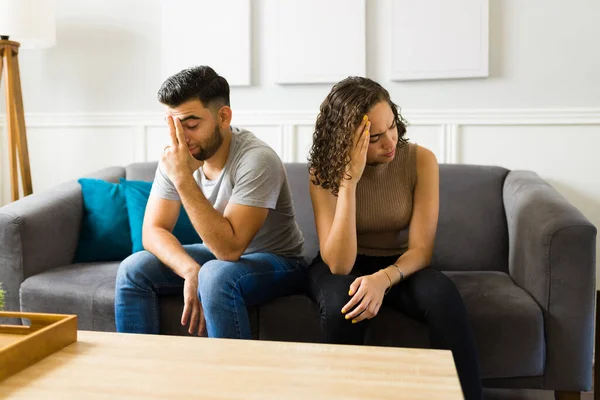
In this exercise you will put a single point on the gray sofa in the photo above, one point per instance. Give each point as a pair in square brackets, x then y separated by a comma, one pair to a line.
[521, 255]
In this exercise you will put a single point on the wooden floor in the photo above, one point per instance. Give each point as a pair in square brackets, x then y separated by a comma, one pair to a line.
[506, 394]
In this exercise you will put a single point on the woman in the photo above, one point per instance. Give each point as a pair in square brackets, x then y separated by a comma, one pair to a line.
[375, 198]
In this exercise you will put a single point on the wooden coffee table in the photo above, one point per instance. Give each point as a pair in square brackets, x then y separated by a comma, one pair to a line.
[111, 365]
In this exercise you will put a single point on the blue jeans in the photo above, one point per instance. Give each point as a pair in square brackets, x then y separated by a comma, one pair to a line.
[225, 289]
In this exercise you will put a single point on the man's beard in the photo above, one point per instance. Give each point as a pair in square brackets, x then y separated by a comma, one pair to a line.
[210, 147]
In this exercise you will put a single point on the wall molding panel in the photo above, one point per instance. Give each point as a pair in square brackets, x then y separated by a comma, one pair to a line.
[289, 133]
[551, 116]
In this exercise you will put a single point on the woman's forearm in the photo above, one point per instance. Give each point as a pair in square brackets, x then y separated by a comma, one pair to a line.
[339, 250]
[411, 261]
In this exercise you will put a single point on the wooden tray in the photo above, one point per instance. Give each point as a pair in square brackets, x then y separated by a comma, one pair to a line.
[22, 346]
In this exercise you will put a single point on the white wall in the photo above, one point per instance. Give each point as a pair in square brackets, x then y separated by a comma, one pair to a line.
[90, 100]
[543, 53]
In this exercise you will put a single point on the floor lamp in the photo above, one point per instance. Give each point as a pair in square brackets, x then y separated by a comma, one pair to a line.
[24, 24]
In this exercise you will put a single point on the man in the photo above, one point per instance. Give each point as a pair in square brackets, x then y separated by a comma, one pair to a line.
[235, 191]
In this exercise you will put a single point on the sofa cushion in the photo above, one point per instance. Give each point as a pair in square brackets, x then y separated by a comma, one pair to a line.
[136, 195]
[292, 318]
[88, 291]
[472, 233]
[104, 234]
[78, 289]
[507, 324]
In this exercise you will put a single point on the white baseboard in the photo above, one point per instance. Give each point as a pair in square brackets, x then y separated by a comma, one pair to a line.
[544, 116]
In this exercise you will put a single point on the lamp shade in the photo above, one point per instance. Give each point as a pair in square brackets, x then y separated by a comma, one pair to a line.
[29, 22]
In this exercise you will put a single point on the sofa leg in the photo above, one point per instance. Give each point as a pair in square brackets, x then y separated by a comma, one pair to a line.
[567, 395]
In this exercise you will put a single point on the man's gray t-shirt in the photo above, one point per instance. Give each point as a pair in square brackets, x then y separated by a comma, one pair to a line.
[252, 176]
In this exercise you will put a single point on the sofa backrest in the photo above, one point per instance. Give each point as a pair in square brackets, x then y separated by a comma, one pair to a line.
[297, 174]
[298, 178]
[472, 234]
[141, 171]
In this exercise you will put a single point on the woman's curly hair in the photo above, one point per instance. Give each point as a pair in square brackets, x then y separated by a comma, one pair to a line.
[340, 115]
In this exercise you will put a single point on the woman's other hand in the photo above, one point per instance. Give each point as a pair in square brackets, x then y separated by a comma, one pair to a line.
[367, 295]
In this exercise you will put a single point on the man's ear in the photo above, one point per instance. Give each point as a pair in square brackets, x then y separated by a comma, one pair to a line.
[224, 115]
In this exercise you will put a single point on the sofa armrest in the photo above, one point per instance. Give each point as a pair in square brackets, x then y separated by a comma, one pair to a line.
[552, 255]
[40, 232]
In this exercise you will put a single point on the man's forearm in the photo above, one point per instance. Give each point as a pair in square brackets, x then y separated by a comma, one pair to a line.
[214, 229]
[167, 249]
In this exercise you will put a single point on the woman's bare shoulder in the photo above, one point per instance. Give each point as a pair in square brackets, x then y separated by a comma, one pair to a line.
[425, 158]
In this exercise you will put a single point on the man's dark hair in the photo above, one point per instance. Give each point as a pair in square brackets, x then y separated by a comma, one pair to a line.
[196, 83]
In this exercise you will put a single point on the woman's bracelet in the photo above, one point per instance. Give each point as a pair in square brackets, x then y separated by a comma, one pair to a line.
[390, 279]
[400, 272]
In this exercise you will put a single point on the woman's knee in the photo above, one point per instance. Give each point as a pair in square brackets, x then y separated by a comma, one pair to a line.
[436, 292]
[330, 292]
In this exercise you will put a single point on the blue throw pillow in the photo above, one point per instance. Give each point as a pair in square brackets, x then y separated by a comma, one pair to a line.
[105, 234]
[136, 195]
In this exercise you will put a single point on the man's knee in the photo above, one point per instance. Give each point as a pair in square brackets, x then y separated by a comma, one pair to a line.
[215, 276]
[133, 269]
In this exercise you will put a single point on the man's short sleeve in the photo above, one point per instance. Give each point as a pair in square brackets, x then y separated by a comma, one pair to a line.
[258, 179]
[162, 186]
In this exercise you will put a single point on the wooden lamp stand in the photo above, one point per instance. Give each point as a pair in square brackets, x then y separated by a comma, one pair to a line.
[17, 137]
